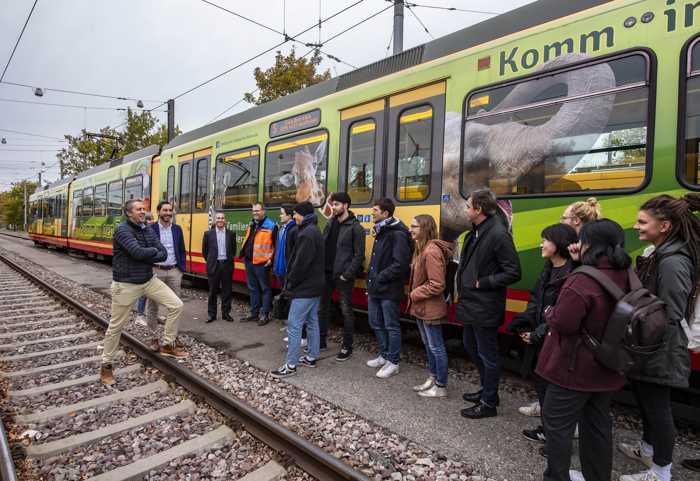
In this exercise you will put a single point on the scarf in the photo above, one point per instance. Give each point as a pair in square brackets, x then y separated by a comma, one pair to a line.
[279, 267]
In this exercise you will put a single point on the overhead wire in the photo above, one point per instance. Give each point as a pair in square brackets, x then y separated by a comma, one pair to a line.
[79, 92]
[14, 49]
[30, 134]
[420, 21]
[453, 9]
[70, 106]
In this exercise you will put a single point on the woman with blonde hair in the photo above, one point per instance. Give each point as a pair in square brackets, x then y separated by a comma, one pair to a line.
[426, 300]
[581, 212]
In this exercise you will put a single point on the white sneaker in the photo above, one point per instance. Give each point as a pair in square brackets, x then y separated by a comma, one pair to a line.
[645, 476]
[634, 451]
[576, 475]
[389, 369]
[434, 391]
[532, 409]
[285, 340]
[378, 361]
[425, 386]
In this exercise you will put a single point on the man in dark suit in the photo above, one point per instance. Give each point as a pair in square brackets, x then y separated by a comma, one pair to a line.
[169, 271]
[219, 249]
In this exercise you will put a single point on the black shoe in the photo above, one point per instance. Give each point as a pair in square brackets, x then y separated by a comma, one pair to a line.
[479, 411]
[264, 319]
[536, 434]
[284, 371]
[211, 318]
[691, 464]
[250, 318]
[307, 362]
[475, 397]
[228, 318]
[344, 355]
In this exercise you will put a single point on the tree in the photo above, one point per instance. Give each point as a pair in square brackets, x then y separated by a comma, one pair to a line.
[287, 75]
[12, 203]
[142, 129]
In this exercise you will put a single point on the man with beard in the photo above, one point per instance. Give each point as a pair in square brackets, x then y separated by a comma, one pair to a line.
[344, 240]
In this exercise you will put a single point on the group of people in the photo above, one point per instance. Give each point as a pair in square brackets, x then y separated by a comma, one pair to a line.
[574, 389]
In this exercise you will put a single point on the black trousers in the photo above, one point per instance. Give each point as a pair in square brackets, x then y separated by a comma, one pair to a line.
[481, 344]
[562, 409]
[344, 289]
[220, 281]
[654, 402]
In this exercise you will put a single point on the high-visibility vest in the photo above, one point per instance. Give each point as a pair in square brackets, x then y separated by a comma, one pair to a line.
[263, 247]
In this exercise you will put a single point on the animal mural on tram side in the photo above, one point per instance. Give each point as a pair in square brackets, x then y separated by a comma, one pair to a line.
[503, 152]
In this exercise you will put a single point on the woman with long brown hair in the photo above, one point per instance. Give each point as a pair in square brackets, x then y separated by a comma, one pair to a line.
[670, 268]
[426, 300]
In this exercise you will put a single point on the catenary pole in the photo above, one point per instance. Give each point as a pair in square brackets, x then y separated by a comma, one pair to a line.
[25, 206]
[398, 26]
[171, 119]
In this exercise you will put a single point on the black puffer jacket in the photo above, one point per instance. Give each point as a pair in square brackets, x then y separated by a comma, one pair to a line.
[668, 273]
[542, 295]
[305, 277]
[489, 257]
[350, 249]
[390, 264]
[134, 251]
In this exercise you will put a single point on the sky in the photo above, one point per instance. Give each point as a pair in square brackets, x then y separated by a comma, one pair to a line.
[158, 49]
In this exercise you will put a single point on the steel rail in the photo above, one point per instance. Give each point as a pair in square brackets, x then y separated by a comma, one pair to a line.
[307, 456]
[8, 471]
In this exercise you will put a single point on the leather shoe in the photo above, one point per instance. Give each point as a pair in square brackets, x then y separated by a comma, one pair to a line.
[475, 397]
[264, 319]
[228, 318]
[479, 411]
[211, 319]
[250, 318]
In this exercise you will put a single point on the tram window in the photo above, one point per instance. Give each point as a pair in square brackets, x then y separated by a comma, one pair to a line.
[360, 175]
[87, 202]
[295, 169]
[414, 154]
[133, 188]
[115, 198]
[185, 188]
[77, 203]
[576, 130]
[691, 142]
[236, 183]
[200, 196]
[100, 208]
[169, 193]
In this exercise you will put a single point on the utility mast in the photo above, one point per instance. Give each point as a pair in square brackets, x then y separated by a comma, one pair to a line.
[398, 26]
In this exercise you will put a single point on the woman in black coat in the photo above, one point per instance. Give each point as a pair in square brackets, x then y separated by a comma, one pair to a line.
[530, 324]
[670, 268]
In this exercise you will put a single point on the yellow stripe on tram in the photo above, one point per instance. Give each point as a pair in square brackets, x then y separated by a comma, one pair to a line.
[241, 155]
[361, 129]
[297, 143]
[406, 119]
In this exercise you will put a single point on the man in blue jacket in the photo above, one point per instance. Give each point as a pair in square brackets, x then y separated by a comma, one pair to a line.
[389, 268]
[169, 271]
[135, 249]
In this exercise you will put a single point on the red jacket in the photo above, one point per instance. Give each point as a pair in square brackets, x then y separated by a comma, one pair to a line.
[565, 360]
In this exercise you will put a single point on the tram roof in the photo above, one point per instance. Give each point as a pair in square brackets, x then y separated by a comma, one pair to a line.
[522, 18]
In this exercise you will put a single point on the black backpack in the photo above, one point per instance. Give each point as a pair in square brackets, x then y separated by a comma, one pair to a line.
[635, 329]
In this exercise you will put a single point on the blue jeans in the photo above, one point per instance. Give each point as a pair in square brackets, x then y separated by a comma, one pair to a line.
[434, 350]
[303, 312]
[384, 320]
[481, 343]
[141, 305]
[258, 277]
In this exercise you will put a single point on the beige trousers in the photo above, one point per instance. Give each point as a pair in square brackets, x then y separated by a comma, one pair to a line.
[171, 278]
[124, 295]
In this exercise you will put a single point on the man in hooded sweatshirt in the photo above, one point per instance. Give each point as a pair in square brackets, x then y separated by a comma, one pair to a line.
[389, 268]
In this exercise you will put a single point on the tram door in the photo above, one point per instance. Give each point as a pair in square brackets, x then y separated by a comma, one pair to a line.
[392, 147]
[192, 214]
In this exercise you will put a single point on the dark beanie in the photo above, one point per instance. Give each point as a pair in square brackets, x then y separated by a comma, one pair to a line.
[341, 197]
[304, 208]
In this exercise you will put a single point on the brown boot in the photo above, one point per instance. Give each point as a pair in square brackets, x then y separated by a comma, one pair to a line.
[107, 375]
[154, 344]
[172, 350]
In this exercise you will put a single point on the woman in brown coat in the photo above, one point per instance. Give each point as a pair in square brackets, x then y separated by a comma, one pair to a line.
[426, 300]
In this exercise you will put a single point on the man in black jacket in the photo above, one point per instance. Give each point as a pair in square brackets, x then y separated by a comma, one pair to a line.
[219, 249]
[487, 265]
[135, 248]
[389, 268]
[344, 240]
[304, 286]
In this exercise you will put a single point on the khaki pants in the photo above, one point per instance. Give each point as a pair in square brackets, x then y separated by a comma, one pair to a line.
[124, 295]
[171, 278]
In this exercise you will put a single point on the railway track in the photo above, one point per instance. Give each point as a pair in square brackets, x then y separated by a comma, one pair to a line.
[158, 418]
